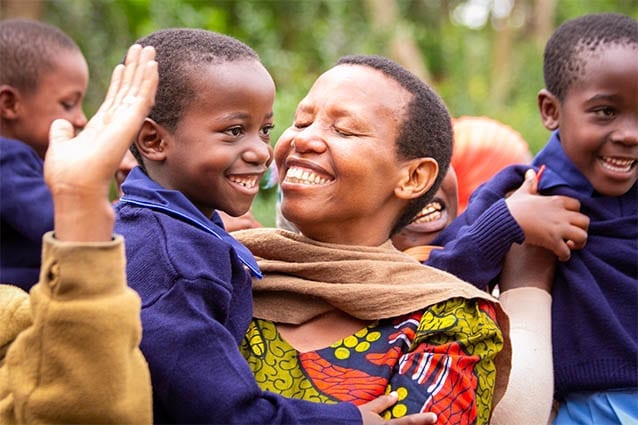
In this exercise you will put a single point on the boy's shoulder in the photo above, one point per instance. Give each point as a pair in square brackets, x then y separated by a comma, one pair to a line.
[12, 148]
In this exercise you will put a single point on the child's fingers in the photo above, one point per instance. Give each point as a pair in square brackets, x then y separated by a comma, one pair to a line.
[61, 130]
[576, 237]
[150, 81]
[562, 251]
[147, 55]
[130, 66]
[568, 203]
[529, 184]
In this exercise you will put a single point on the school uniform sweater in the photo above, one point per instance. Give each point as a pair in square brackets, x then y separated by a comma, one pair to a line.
[196, 305]
[595, 293]
[26, 213]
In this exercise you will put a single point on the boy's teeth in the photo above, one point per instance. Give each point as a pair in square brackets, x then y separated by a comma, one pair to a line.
[430, 212]
[248, 182]
[617, 164]
[304, 176]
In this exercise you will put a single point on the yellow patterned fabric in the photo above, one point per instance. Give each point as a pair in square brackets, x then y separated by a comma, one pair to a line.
[440, 359]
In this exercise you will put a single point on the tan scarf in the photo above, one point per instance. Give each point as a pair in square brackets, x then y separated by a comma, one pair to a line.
[304, 278]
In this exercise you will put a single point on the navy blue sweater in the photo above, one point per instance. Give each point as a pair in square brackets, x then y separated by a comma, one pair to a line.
[196, 305]
[26, 213]
[595, 293]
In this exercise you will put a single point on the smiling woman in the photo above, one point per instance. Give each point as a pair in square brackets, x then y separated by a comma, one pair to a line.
[342, 315]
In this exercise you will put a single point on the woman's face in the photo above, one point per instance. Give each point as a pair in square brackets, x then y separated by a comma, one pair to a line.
[338, 164]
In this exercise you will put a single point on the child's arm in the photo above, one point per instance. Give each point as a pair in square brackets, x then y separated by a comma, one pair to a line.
[79, 361]
[551, 222]
[475, 244]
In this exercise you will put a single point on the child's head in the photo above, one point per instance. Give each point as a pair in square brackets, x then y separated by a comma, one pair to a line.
[43, 77]
[590, 67]
[208, 134]
[435, 217]
[368, 148]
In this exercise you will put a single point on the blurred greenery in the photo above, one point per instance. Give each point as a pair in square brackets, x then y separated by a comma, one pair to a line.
[482, 56]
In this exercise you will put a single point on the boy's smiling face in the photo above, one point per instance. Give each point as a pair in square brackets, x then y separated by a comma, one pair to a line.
[59, 94]
[221, 146]
[598, 119]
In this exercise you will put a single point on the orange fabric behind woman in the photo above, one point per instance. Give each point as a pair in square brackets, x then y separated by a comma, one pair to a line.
[482, 147]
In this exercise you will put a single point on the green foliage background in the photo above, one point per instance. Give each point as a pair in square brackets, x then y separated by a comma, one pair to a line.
[299, 39]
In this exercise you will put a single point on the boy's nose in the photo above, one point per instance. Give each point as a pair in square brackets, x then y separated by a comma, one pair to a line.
[79, 120]
[260, 153]
[628, 132]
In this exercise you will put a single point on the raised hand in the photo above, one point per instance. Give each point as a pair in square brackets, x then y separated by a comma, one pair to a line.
[551, 222]
[78, 170]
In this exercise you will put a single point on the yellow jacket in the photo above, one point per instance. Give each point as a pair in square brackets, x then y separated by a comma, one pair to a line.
[73, 356]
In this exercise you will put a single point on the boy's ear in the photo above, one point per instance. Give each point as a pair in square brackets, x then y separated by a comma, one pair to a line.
[9, 99]
[418, 177]
[150, 141]
[549, 108]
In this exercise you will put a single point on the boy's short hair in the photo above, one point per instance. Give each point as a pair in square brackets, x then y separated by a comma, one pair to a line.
[426, 130]
[179, 53]
[563, 59]
[28, 49]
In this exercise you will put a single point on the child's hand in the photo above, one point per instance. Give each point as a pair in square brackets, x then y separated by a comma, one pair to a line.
[78, 170]
[551, 222]
[371, 413]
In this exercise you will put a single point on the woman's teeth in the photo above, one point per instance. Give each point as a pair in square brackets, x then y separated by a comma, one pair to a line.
[303, 176]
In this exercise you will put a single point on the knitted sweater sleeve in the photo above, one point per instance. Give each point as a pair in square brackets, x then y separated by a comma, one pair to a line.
[79, 361]
[477, 251]
[476, 242]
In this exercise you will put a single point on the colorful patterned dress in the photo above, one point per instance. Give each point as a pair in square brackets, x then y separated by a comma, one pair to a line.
[440, 359]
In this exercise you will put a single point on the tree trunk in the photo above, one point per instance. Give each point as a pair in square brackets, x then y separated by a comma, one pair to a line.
[401, 47]
[31, 9]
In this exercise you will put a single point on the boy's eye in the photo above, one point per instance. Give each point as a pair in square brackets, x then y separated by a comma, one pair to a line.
[234, 131]
[68, 105]
[605, 112]
[267, 129]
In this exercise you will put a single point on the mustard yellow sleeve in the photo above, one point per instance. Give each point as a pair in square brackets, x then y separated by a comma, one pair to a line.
[79, 362]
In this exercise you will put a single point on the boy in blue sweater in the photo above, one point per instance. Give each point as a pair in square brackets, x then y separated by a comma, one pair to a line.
[43, 77]
[204, 147]
[590, 104]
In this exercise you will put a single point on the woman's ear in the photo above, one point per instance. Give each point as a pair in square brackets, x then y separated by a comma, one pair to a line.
[418, 177]
[150, 141]
[9, 99]
[549, 108]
